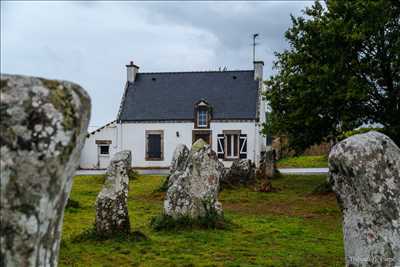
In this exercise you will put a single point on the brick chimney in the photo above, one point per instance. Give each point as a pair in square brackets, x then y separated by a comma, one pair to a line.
[258, 70]
[131, 71]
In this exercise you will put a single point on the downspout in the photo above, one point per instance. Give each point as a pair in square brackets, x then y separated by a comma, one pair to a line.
[255, 144]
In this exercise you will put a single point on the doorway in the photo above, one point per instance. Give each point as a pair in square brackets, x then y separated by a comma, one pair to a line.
[103, 153]
[203, 134]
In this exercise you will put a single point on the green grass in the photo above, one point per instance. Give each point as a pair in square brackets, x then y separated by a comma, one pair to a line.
[303, 162]
[290, 227]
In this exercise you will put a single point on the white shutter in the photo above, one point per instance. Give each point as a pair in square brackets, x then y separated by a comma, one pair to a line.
[220, 146]
[243, 146]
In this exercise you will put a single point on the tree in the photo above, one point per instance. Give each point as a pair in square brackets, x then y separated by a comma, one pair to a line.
[342, 70]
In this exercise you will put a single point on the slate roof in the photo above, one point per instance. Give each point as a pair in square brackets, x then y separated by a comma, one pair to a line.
[172, 95]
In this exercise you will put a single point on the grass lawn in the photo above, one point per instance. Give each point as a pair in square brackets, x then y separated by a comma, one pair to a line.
[303, 162]
[290, 227]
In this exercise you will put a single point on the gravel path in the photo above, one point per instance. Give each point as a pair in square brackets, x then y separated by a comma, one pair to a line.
[301, 171]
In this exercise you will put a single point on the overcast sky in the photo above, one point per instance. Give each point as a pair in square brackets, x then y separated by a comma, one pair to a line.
[91, 42]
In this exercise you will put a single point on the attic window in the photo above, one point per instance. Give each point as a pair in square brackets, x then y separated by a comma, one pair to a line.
[234, 77]
[153, 79]
[202, 114]
[202, 117]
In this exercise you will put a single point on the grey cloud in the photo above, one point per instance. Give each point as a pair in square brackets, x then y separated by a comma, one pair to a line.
[90, 43]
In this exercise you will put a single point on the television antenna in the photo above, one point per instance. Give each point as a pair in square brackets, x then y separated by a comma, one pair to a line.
[254, 45]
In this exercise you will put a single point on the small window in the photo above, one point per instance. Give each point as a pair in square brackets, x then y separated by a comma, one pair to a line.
[154, 145]
[104, 150]
[232, 145]
[202, 118]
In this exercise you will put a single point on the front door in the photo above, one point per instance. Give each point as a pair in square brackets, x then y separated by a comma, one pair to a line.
[205, 135]
[103, 152]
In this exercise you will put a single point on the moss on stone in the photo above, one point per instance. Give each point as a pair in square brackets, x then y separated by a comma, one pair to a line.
[62, 101]
[199, 144]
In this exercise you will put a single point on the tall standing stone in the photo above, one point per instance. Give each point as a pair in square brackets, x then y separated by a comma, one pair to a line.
[266, 171]
[194, 191]
[267, 167]
[43, 127]
[365, 174]
[112, 201]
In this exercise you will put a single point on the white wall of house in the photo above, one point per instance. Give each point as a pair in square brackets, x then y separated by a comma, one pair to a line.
[132, 136]
[262, 144]
[90, 156]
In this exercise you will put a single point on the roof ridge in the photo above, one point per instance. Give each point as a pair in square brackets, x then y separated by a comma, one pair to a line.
[205, 71]
[101, 127]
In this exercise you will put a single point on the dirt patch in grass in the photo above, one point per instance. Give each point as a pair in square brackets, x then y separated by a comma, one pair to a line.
[307, 206]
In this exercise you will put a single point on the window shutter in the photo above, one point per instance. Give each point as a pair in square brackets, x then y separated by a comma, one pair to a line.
[243, 146]
[220, 146]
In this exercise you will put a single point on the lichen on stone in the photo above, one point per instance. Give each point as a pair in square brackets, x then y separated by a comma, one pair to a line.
[194, 189]
[365, 174]
[40, 153]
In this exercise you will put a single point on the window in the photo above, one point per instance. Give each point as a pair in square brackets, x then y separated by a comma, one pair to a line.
[232, 145]
[202, 114]
[104, 149]
[202, 118]
[154, 145]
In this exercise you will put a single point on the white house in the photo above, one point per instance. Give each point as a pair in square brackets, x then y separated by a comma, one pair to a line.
[162, 109]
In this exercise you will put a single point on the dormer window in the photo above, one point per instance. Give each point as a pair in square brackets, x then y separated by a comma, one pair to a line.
[202, 114]
[202, 117]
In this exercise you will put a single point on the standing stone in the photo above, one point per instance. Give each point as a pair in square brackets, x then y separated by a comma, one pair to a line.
[242, 172]
[194, 191]
[43, 127]
[112, 201]
[365, 174]
[266, 171]
[267, 167]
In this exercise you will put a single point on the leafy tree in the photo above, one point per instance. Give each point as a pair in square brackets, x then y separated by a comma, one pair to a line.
[342, 70]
